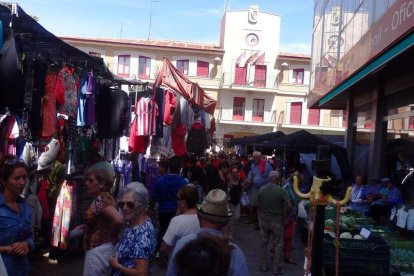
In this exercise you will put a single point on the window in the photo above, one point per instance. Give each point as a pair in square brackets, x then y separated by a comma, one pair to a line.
[202, 68]
[298, 75]
[258, 110]
[94, 54]
[182, 66]
[260, 76]
[238, 108]
[313, 117]
[296, 113]
[123, 65]
[144, 67]
[240, 75]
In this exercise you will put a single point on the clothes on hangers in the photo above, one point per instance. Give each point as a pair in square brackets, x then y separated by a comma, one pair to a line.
[146, 112]
[169, 106]
[64, 211]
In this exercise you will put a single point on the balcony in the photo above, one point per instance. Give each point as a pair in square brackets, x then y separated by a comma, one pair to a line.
[151, 75]
[297, 120]
[230, 115]
[233, 80]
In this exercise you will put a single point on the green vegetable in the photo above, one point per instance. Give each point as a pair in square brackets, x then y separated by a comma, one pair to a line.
[329, 223]
[345, 235]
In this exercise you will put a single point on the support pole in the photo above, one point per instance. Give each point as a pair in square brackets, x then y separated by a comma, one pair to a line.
[322, 167]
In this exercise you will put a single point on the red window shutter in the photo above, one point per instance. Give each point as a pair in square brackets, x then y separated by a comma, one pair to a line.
[238, 108]
[240, 75]
[313, 118]
[258, 110]
[260, 76]
[144, 65]
[411, 122]
[295, 113]
[344, 114]
[123, 65]
[298, 75]
[202, 68]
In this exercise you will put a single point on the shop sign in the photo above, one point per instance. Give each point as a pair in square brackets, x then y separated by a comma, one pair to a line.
[396, 21]
[247, 128]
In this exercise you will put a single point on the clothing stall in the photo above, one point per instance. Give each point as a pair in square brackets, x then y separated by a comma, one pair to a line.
[54, 100]
[174, 118]
[58, 105]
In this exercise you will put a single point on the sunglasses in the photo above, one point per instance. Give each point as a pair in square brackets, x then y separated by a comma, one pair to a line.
[12, 162]
[129, 204]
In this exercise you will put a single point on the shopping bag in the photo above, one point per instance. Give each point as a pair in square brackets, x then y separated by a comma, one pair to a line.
[3, 270]
[244, 200]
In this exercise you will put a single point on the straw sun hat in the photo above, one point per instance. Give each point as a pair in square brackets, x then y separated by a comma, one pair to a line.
[215, 207]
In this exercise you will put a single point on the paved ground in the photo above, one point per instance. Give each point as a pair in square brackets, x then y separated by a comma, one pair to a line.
[245, 236]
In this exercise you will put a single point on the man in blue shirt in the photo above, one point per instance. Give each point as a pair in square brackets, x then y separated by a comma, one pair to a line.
[214, 215]
[165, 193]
[257, 177]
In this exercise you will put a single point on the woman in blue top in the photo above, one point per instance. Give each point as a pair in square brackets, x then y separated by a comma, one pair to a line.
[137, 246]
[16, 236]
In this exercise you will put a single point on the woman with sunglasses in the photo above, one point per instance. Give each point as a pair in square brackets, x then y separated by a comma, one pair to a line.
[137, 245]
[16, 235]
[103, 224]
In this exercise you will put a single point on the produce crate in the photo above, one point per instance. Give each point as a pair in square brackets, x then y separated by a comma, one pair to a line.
[357, 257]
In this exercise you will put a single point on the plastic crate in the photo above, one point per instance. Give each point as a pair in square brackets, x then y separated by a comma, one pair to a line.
[357, 257]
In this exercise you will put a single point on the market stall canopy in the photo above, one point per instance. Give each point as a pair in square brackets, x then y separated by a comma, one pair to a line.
[304, 142]
[36, 42]
[256, 138]
[400, 146]
[192, 92]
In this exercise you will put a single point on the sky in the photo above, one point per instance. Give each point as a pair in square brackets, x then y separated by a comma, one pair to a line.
[183, 20]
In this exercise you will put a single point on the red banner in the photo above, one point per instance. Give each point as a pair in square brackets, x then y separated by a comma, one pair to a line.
[192, 92]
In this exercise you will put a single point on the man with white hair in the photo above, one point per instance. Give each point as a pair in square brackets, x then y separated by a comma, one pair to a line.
[273, 201]
[257, 177]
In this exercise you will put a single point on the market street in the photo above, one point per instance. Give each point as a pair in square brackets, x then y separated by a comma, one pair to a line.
[245, 236]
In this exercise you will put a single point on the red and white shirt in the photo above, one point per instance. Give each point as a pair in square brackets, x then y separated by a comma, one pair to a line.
[146, 111]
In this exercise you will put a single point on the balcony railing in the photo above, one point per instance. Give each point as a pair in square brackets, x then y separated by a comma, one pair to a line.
[249, 80]
[152, 73]
[247, 115]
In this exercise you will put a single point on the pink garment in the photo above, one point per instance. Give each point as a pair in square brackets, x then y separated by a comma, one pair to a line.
[177, 138]
[41, 195]
[137, 144]
[169, 107]
[49, 107]
[65, 208]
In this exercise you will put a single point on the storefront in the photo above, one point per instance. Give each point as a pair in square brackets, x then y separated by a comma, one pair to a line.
[361, 63]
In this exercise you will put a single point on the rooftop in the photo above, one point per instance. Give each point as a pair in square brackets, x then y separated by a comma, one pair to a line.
[152, 42]
[294, 55]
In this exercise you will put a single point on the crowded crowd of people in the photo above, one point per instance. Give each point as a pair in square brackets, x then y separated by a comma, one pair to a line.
[189, 215]
[185, 226]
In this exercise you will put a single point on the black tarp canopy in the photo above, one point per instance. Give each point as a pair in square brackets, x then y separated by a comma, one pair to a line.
[257, 139]
[304, 142]
[36, 42]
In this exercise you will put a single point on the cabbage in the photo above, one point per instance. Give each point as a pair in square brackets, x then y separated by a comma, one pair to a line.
[345, 235]
[329, 223]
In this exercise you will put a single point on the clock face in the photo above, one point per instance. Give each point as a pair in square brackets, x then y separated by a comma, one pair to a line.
[252, 39]
[334, 41]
